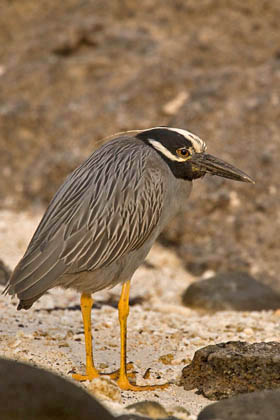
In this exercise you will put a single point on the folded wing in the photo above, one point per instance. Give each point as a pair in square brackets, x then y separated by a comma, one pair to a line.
[105, 209]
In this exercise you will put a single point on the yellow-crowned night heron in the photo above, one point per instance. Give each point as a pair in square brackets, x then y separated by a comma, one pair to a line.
[104, 219]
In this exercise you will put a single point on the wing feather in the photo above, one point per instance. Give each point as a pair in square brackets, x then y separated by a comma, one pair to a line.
[105, 209]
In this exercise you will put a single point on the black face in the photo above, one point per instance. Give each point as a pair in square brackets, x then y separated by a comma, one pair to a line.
[183, 170]
[185, 155]
[172, 141]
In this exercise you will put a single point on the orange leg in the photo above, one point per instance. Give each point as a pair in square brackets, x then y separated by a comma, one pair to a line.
[91, 372]
[123, 381]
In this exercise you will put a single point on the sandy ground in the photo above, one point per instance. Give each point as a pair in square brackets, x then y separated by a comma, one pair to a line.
[51, 336]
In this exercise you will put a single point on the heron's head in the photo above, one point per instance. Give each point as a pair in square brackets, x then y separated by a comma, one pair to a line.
[185, 154]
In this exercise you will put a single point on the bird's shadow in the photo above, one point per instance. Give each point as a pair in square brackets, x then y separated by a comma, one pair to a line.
[98, 304]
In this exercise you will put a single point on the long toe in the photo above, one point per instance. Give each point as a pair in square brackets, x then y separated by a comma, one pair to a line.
[90, 375]
[125, 385]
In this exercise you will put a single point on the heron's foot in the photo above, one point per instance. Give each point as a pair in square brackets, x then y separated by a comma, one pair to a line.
[90, 375]
[125, 385]
[116, 374]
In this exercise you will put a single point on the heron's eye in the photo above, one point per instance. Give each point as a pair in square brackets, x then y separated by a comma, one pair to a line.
[183, 152]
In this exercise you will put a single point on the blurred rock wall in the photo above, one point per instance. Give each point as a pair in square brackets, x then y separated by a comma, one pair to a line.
[75, 71]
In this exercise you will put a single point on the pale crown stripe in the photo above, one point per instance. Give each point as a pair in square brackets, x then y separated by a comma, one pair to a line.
[198, 144]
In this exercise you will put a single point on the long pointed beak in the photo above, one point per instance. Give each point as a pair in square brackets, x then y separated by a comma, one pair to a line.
[214, 166]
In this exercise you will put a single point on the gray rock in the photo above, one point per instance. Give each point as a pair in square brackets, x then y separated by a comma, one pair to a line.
[27, 392]
[254, 406]
[136, 417]
[131, 417]
[149, 408]
[231, 368]
[231, 291]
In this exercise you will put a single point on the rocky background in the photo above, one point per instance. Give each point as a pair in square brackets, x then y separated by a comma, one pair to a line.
[76, 71]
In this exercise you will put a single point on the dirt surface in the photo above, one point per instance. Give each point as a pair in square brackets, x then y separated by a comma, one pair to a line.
[162, 334]
[74, 72]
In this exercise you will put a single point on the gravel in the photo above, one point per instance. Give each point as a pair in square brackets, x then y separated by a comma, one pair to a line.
[162, 334]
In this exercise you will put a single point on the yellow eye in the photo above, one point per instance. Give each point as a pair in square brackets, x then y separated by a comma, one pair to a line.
[183, 152]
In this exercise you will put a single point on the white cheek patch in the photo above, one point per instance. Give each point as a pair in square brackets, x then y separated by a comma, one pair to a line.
[158, 146]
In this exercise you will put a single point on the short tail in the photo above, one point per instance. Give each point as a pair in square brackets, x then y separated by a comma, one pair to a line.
[36, 273]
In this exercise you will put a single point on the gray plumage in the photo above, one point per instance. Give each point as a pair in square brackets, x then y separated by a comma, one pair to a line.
[101, 223]
[104, 219]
